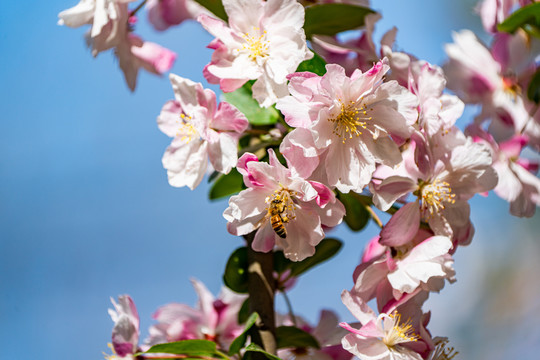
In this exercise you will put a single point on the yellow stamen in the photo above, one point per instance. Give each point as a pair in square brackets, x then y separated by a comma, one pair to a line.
[257, 47]
[186, 131]
[434, 195]
[350, 121]
[399, 333]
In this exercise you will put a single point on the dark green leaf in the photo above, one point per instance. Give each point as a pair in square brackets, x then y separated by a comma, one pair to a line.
[527, 18]
[244, 101]
[227, 185]
[290, 336]
[215, 7]
[236, 277]
[330, 19]
[186, 347]
[325, 250]
[240, 340]
[243, 313]
[356, 216]
[533, 92]
[315, 65]
[256, 348]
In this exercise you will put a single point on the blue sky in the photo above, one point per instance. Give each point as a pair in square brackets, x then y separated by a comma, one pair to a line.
[85, 209]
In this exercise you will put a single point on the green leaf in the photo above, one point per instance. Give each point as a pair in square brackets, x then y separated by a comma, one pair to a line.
[215, 7]
[356, 216]
[325, 250]
[257, 348]
[533, 92]
[236, 276]
[244, 101]
[290, 336]
[527, 18]
[227, 185]
[240, 340]
[187, 347]
[315, 65]
[330, 19]
[243, 313]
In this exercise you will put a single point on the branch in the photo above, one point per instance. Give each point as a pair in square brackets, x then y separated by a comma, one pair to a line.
[261, 286]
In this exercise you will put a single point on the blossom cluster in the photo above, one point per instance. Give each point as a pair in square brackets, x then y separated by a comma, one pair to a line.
[373, 125]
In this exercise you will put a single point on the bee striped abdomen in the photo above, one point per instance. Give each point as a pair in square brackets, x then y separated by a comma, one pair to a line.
[278, 226]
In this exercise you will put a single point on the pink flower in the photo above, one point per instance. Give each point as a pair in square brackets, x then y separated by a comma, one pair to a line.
[135, 53]
[423, 264]
[494, 12]
[442, 183]
[517, 181]
[109, 20]
[200, 132]
[263, 41]
[438, 112]
[163, 14]
[213, 319]
[397, 333]
[352, 121]
[286, 211]
[490, 78]
[125, 334]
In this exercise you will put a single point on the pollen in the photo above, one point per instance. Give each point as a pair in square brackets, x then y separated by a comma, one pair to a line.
[434, 195]
[351, 121]
[186, 131]
[256, 46]
[398, 332]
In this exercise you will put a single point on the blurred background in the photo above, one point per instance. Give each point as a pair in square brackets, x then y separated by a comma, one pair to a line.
[86, 212]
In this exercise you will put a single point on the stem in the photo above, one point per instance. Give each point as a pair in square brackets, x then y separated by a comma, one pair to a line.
[261, 288]
[137, 8]
[289, 306]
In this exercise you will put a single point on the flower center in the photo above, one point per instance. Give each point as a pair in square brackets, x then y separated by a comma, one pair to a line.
[350, 121]
[186, 131]
[511, 86]
[256, 46]
[397, 333]
[434, 195]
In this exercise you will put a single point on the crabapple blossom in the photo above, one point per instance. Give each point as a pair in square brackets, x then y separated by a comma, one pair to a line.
[438, 112]
[517, 181]
[422, 264]
[494, 12]
[125, 334]
[386, 336]
[163, 14]
[286, 211]
[490, 78]
[212, 319]
[107, 17]
[201, 132]
[353, 122]
[264, 41]
[442, 183]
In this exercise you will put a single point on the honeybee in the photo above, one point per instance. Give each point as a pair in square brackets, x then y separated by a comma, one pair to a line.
[278, 218]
